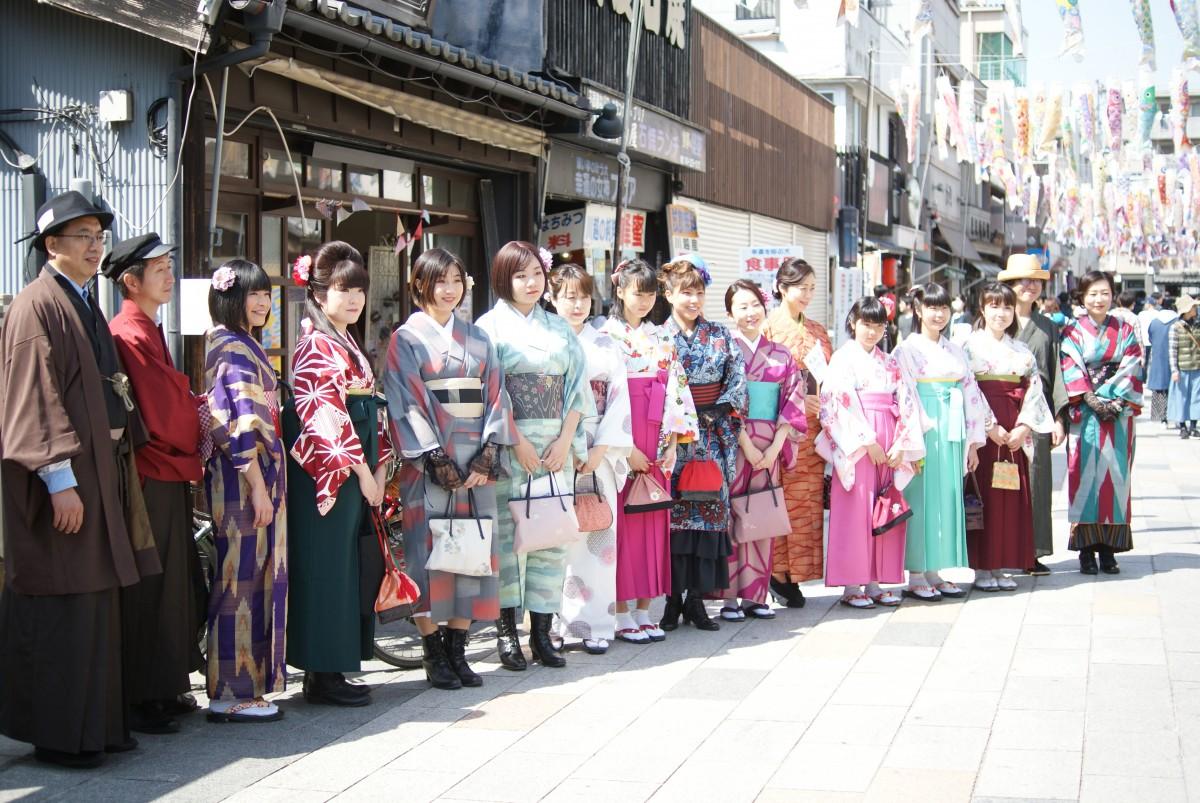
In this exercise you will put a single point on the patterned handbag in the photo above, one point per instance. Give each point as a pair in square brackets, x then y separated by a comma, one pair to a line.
[591, 508]
[646, 495]
[544, 518]
[461, 544]
[1005, 475]
[890, 512]
[397, 591]
[973, 506]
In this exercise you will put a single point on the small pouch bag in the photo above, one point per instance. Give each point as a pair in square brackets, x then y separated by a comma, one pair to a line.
[544, 518]
[701, 479]
[397, 592]
[646, 495]
[1005, 475]
[973, 506]
[461, 545]
[759, 515]
[591, 508]
[891, 511]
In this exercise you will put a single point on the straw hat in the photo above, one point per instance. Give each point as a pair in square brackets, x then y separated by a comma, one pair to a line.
[1185, 303]
[1023, 266]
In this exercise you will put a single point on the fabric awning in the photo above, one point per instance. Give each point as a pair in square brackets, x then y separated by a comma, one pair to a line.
[957, 243]
[422, 111]
[989, 270]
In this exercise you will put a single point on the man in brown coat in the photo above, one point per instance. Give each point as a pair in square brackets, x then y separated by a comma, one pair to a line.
[65, 416]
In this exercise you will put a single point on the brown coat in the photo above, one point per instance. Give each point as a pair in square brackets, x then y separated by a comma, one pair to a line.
[52, 408]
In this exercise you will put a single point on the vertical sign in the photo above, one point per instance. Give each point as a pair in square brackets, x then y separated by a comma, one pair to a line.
[847, 288]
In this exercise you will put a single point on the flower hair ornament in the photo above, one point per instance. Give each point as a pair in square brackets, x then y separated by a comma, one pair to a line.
[624, 263]
[547, 259]
[301, 270]
[701, 267]
[223, 278]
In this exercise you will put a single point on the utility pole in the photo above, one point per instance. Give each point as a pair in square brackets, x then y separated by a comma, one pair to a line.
[865, 155]
[635, 39]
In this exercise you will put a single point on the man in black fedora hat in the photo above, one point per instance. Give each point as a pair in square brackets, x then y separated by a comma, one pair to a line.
[66, 414]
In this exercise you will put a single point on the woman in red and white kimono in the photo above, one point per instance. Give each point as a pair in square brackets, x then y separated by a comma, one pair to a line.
[340, 453]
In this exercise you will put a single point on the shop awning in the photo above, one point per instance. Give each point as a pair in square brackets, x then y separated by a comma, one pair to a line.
[958, 244]
[422, 111]
[989, 270]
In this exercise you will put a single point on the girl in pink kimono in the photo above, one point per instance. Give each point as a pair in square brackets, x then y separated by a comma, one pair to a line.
[871, 431]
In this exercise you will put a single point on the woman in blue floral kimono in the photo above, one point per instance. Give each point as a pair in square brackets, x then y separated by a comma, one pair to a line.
[716, 375]
[245, 481]
[546, 377]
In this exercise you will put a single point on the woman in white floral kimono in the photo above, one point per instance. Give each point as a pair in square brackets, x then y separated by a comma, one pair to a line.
[590, 590]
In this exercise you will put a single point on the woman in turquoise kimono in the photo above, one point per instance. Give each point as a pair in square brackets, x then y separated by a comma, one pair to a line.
[545, 375]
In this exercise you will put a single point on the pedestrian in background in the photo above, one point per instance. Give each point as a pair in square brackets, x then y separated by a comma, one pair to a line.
[1158, 360]
[1183, 401]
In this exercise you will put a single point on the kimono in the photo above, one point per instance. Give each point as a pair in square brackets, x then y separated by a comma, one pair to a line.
[1011, 383]
[800, 556]
[161, 615]
[1041, 335]
[60, 629]
[775, 397]
[716, 376]
[590, 588]
[866, 399]
[429, 370]
[661, 406]
[1105, 359]
[247, 610]
[953, 413]
[545, 376]
[334, 562]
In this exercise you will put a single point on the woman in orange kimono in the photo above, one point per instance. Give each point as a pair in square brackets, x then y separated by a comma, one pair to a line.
[799, 556]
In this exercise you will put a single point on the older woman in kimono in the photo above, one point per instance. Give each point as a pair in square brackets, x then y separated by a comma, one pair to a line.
[716, 375]
[774, 424]
[871, 431]
[546, 376]
[954, 413]
[449, 416]
[663, 412]
[245, 479]
[1101, 365]
[590, 591]
[1011, 383]
[799, 556]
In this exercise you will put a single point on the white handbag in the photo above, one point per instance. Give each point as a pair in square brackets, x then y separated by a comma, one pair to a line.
[461, 545]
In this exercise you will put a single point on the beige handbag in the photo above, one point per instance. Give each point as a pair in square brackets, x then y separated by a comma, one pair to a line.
[461, 545]
[544, 517]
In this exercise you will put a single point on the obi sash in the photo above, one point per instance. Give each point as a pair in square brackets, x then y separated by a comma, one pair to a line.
[600, 394]
[764, 401]
[881, 402]
[706, 396]
[949, 392]
[536, 395]
[462, 397]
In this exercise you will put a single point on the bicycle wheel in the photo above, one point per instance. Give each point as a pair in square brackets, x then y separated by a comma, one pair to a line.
[206, 545]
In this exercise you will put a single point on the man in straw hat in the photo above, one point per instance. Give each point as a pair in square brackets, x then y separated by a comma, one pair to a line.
[65, 419]
[1026, 276]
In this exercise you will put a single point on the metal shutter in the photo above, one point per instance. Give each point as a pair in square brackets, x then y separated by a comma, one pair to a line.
[816, 253]
[723, 234]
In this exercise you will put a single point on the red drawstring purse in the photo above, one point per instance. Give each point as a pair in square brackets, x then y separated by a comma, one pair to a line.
[397, 592]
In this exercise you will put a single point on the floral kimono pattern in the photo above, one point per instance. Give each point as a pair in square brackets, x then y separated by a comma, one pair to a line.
[1012, 358]
[247, 612]
[545, 373]
[1104, 359]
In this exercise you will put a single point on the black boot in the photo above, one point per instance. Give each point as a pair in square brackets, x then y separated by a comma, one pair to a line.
[539, 641]
[509, 645]
[361, 689]
[325, 688]
[670, 617]
[456, 651]
[1184, 432]
[1108, 561]
[787, 593]
[695, 614]
[437, 667]
[1087, 562]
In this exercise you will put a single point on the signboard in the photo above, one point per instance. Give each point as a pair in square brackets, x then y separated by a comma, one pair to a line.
[593, 227]
[667, 19]
[683, 229]
[847, 288]
[590, 176]
[562, 231]
[759, 264]
[654, 134]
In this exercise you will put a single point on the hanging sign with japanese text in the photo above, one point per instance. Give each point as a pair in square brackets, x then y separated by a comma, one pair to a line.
[759, 264]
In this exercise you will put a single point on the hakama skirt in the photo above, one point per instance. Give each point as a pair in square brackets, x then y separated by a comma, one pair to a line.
[644, 539]
[937, 535]
[1006, 541]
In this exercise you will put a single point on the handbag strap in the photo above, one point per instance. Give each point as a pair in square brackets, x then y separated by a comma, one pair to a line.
[770, 487]
[595, 483]
[974, 483]
[554, 494]
[389, 560]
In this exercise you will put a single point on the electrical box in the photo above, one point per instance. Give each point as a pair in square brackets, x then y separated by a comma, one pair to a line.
[116, 105]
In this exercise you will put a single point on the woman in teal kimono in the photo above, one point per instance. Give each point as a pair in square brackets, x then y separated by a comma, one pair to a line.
[545, 376]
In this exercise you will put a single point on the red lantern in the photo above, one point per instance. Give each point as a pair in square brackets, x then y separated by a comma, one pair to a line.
[887, 273]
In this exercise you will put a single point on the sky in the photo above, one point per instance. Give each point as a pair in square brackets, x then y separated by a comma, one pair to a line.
[1110, 39]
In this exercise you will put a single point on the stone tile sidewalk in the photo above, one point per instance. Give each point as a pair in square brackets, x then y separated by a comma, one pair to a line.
[1071, 688]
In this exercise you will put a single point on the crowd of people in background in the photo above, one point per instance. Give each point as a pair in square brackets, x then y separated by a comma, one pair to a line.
[552, 465]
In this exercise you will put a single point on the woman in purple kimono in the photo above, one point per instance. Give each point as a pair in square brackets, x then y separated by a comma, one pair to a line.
[774, 423]
[245, 481]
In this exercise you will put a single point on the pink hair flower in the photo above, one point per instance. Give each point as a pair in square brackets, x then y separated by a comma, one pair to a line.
[301, 269]
[547, 258]
[223, 278]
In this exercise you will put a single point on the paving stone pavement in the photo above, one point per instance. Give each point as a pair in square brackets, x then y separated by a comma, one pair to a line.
[1070, 688]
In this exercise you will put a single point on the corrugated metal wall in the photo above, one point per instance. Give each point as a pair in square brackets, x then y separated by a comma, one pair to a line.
[54, 59]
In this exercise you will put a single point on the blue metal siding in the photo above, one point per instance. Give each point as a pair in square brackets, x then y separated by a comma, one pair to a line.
[51, 58]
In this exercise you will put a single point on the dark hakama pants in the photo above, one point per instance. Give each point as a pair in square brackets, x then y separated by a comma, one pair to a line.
[60, 670]
[1006, 541]
[160, 617]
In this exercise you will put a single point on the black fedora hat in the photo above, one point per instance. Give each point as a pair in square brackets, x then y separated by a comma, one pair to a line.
[128, 253]
[61, 210]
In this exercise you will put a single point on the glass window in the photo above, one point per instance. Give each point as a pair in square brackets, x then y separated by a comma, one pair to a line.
[364, 181]
[276, 168]
[448, 193]
[323, 175]
[235, 157]
[230, 237]
[271, 232]
[397, 185]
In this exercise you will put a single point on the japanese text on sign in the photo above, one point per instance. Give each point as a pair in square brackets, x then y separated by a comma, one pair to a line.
[760, 264]
[562, 231]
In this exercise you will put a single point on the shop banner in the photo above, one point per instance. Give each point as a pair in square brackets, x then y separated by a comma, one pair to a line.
[847, 288]
[599, 228]
[563, 231]
[760, 263]
[684, 230]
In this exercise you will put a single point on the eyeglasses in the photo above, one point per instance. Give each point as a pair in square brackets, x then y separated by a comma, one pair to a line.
[92, 239]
